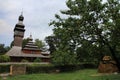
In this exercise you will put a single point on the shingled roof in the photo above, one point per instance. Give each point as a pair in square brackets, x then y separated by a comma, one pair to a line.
[16, 51]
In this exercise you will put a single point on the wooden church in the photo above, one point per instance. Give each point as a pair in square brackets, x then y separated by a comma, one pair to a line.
[30, 52]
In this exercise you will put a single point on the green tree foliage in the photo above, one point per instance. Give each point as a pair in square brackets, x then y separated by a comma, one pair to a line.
[37, 60]
[39, 43]
[3, 49]
[63, 58]
[25, 41]
[4, 58]
[92, 21]
[24, 60]
[12, 43]
[61, 55]
[51, 41]
[91, 52]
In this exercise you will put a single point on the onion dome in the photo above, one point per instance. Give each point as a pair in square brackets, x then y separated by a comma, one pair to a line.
[20, 26]
[21, 18]
[20, 21]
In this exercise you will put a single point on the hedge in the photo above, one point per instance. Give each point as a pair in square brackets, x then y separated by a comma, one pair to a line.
[4, 68]
[40, 68]
[47, 68]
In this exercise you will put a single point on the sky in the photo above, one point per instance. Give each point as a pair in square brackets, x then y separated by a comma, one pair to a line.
[37, 15]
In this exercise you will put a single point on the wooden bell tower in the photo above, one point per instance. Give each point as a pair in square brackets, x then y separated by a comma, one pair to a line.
[19, 32]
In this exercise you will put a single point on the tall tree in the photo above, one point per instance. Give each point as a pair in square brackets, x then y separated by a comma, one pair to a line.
[51, 41]
[90, 20]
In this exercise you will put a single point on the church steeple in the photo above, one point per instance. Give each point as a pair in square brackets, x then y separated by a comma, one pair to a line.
[20, 21]
[19, 31]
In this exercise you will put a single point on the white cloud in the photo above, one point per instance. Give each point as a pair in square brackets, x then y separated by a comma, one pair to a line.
[5, 27]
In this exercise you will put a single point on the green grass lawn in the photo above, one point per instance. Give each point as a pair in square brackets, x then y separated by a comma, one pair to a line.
[86, 74]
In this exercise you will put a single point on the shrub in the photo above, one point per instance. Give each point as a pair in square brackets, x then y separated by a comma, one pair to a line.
[68, 68]
[24, 60]
[40, 68]
[89, 65]
[37, 60]
[4, 68]
[4, 58]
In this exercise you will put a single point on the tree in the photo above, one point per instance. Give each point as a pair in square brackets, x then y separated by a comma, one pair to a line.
[39, 43]
[63, 58]
[4, 58]
[12, 43]
[91, 52]
[24, 42]
[90, 20]
[51, 40]
[3, 49]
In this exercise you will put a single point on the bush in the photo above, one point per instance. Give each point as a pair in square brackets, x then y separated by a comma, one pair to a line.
[89, 65]
[68, 68]
[47, 68]
[40, 68]
[4, 58]
[4, 68]
[37, 60]
[24, 60]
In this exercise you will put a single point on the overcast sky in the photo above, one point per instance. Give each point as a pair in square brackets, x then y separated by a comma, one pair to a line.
[37, 14]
